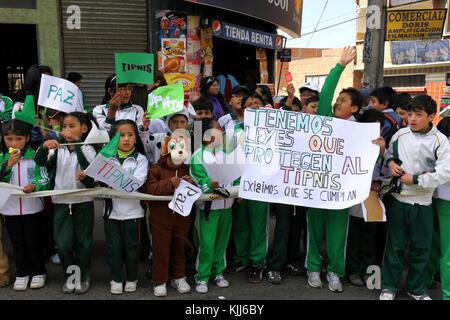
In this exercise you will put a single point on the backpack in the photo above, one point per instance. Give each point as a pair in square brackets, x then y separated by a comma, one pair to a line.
[395, 126]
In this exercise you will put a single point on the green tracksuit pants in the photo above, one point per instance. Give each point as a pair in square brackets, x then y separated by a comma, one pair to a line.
[333, 224]
[213, 236]
[440, 248]
[74, 227]
[122, 240]
[250, 232]
[413, 224]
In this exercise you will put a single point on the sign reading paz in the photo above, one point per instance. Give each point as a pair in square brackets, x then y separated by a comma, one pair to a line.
[60, 94]
[134, 67]
[306, 160]
[184, 197]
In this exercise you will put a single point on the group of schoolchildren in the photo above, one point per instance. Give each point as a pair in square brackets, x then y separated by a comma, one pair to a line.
[228, 235]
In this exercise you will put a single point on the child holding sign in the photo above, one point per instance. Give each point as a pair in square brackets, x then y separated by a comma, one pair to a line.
[74, 216]
[23, 215]
[122, 216]
[213, 228]
[169, 229]
[118, 106]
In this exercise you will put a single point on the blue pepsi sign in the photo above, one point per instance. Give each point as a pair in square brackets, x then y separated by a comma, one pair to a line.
[252, 37]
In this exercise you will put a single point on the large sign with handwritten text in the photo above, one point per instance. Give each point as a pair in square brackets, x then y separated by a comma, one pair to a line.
[306, 160]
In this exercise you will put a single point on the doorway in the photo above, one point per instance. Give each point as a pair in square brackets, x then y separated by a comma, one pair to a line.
[16, 56]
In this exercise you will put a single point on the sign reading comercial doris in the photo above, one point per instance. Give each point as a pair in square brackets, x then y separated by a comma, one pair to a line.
[415, 24]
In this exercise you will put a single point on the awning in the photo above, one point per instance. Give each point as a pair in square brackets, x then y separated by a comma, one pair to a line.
[286, 14]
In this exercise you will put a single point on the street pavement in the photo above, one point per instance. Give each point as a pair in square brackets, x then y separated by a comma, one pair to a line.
[292, 288]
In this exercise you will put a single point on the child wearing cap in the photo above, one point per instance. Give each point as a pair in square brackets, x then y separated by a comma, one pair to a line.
[236, 115]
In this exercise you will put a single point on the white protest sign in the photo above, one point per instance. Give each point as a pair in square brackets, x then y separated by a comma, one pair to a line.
[231, 167]
[60, 94]
[184, 198]
[5, 193]
[307, 160]
[113, 174]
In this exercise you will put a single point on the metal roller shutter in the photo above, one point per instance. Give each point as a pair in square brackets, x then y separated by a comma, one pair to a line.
[107, 26]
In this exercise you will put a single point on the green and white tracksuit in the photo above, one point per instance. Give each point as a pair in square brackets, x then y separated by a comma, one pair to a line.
[426, 156]
[126, 111]
[121, 221]
[74, 216]
[333, 224]
[6, 106]
[214, 233]
[440, 248]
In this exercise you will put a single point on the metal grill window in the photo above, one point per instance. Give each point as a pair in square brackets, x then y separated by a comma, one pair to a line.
[413, 80]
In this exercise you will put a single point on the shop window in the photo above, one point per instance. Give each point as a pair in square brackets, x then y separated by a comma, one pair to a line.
[319, 80]
[20, 4]
[411, 80]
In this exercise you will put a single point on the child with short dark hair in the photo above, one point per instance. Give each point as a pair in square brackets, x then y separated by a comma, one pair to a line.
[213, 229]
[23, 215]
[203, 108]
[401, 108]
[419, 156]
[384, 99]
[236, 115]
[311, 105]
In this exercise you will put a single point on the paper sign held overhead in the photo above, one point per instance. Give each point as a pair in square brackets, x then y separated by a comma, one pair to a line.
[166, 100]
[60, 94]
[134, 67]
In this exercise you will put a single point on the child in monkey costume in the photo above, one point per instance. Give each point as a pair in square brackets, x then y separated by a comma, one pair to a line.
[169, 229]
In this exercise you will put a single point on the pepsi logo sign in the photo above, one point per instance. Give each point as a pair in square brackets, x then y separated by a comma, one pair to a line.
[278, 43]
[217, 28]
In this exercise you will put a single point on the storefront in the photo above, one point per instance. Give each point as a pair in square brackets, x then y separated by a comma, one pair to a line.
[198, 38]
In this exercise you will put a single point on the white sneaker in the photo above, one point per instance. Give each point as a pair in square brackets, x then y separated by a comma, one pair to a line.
[334, 283]
[221, 282]
[21, 283]
[116, 287]
[314, 279]
[201, 287]
[160, 291]
[181, 285]
[38, 281]
[424, 296]
[387, 295]
[130, 286]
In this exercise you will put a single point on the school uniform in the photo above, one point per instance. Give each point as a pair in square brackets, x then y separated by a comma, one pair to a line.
[213, 231]
[73, 216]
[127, 111]
[6, 106]
[122, 219]
[23, 214]
[426, 156]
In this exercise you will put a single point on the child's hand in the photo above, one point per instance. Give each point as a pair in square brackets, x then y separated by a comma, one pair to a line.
[14, 158]
[375, 186]
[381, 142]
[407, 179]
[175, 181]
[215, 184]
[46, 135]
[80, 175]
[146, 120]
[188, 179]
[115, 101]
[51, 144]
[214, 196]
[348, 55]
[290, 90]
[194, 95]
[29, 188]
[395, 169]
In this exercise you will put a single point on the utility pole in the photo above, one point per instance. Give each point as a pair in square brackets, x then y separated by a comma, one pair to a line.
[373, 52]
